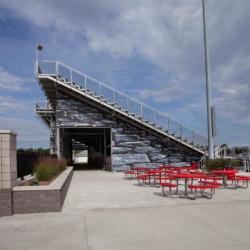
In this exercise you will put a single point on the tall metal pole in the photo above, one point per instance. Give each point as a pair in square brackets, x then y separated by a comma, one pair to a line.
[208, 84]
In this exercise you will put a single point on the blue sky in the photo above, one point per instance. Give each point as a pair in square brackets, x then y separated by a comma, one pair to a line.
[152, 50]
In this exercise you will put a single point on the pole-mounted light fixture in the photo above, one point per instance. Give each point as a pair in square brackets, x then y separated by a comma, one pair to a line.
[39, 46]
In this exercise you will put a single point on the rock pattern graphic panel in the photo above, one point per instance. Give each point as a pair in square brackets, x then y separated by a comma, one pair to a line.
[130, 145]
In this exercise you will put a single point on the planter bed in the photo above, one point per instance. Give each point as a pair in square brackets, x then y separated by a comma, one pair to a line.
[41, 199]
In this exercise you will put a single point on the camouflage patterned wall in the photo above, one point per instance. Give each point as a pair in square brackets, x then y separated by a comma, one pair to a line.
[129, 144]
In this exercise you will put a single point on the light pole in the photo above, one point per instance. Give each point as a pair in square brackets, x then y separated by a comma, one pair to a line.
[39, 47]
[208, 85]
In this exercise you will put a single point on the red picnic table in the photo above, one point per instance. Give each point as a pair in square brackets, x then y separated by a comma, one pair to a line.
[180, 169]
[225, 173]
[153, 173]
[186, 177]
[139, 169]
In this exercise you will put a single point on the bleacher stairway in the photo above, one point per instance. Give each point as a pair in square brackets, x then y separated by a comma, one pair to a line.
[53, 74]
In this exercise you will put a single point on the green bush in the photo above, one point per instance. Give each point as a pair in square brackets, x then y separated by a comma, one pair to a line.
[221, 164]
[48, 167]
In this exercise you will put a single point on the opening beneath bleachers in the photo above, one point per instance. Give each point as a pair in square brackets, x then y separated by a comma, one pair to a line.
[87, 148]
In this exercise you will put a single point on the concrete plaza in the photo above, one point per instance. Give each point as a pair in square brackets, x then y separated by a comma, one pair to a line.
[104, 211]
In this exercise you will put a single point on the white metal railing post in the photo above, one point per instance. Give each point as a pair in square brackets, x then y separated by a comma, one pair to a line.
[71, 75]
[141, 109]
[85, 82]
[99, 88]
[57, 73]
[193, 137]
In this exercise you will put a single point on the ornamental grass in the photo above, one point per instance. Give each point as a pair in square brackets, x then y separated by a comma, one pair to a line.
[48, 167]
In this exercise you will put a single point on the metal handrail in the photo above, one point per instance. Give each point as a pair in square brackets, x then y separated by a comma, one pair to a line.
[140, 109]
[43, 105]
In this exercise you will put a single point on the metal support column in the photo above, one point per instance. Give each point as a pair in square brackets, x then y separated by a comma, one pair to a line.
[104, 149]
[58, 146]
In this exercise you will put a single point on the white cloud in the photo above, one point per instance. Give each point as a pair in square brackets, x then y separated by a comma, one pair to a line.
[172, 91]
[29, 130]
[8, 104]
[18, 115]
[167, 33]
[11, 82]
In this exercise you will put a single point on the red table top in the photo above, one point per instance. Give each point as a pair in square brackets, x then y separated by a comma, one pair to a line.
[224, 172]
[176, 167]
[167, 171]
[188, 176]
[153, 171]
[184, 168]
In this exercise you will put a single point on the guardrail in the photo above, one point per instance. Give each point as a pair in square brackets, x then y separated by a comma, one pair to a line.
[44, 105]
[130, 104]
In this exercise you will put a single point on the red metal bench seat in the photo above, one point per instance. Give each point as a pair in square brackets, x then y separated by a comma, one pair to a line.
[240, 178]
[170, 186]
[202, 187]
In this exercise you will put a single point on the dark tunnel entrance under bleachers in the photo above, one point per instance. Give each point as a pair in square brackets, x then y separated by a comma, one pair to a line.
[87, 148]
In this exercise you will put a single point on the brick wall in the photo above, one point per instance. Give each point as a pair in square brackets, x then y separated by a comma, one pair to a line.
[8, 170]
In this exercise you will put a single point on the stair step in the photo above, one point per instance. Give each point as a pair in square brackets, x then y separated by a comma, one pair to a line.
[113, 103]
[63, 79]
[85, 90]
[100, 96]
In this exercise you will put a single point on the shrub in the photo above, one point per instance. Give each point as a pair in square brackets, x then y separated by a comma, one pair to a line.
[221, 164]
[48, 167]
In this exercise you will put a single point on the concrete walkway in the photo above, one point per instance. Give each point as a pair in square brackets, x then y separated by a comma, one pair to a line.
[104, 211]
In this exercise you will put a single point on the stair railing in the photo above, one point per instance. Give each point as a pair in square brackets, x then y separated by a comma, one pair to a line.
[119, 99]
[202, 162]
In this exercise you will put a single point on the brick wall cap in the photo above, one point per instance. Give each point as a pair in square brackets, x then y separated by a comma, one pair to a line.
[56, 184]
[6, 131]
